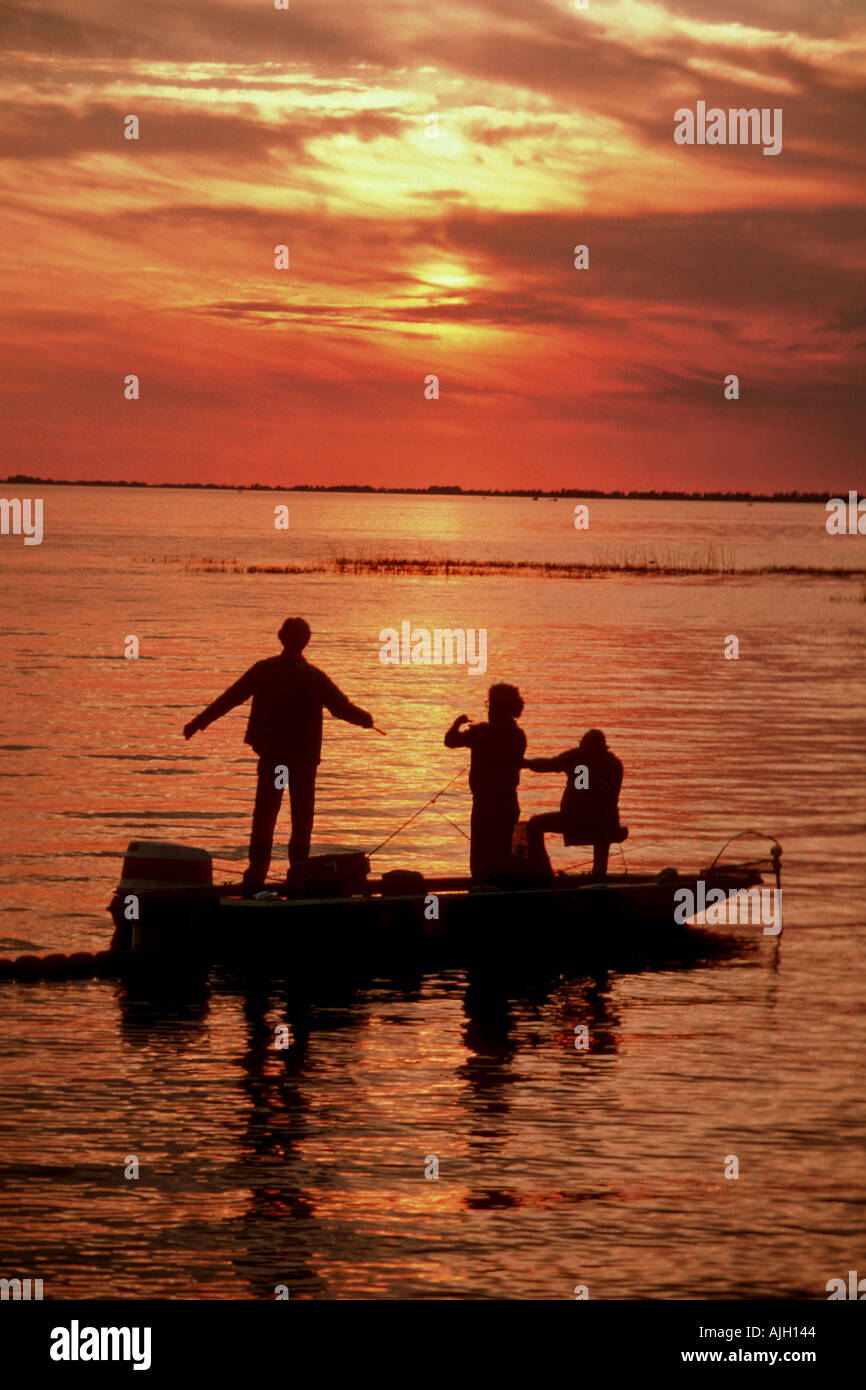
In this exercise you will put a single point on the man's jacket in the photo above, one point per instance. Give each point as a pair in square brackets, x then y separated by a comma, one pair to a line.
[288, 697]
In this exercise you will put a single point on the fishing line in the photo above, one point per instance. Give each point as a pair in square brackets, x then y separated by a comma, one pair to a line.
[578, 863]
[452, 822]
[635, 844]
[417, 813]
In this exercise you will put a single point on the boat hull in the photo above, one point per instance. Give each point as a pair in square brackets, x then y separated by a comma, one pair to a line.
[572, 926]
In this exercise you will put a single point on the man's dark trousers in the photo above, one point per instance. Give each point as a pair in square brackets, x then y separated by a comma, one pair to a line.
[269, 797]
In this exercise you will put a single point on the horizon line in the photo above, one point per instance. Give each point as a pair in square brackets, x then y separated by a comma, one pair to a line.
[445, 490]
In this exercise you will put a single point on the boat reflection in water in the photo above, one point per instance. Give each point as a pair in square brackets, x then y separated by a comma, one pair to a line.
[320, 974]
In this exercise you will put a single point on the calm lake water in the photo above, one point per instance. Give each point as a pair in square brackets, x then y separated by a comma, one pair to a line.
[557, 1167]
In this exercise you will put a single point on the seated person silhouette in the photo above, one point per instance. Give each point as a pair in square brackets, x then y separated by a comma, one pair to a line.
[588, 813]
[285, 729]
[497, 749]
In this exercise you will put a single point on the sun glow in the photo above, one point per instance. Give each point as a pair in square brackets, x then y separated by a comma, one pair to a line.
[445, 275]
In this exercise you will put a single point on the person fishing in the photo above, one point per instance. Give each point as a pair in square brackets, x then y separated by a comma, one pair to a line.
[588, 813]
[497, 749]
[285, 730]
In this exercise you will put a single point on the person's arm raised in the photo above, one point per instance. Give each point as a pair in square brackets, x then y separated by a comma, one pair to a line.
[456, 737]
[235, 695]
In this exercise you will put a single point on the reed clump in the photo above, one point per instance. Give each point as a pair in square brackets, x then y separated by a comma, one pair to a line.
[643, 561]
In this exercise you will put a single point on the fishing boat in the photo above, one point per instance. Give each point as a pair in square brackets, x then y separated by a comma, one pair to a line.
[331, 916]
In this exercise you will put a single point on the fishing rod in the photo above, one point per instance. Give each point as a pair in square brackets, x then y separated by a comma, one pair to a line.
[417, 813]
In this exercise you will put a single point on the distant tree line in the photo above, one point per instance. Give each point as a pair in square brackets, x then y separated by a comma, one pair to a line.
[447, 490]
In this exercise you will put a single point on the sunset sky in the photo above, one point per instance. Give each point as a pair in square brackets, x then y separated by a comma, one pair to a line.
[451, 256]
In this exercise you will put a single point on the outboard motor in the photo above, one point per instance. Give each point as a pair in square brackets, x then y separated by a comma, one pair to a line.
[157, 871]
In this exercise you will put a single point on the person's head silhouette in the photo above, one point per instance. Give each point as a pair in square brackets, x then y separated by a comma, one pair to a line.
[593, 743]
[294, 635]
[504, 701]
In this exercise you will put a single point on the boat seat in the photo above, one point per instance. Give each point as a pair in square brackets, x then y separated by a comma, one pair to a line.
[620, 834]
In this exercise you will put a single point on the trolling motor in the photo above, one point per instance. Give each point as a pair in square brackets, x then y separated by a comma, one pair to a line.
[774, 863]
[773, 925]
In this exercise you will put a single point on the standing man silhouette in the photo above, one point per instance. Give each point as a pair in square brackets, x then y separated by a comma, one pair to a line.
[497, 749]
[285, 730]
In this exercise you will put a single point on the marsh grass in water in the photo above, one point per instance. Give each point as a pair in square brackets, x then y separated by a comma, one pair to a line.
[850, 598]
[635, 560]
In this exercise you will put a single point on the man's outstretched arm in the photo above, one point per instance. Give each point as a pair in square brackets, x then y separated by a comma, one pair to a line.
[561, 763]
[235, 695]
[340, 707]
